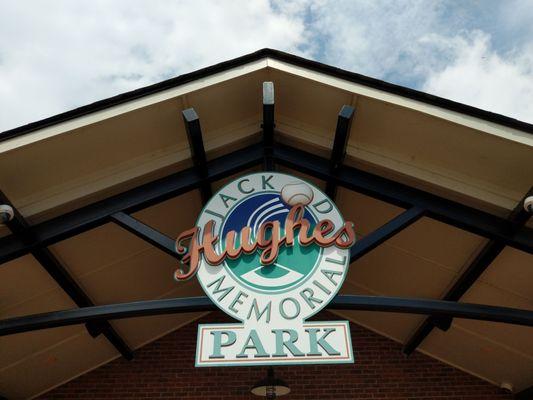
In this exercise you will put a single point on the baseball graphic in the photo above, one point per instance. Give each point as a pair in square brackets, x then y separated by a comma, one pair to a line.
[296, 193]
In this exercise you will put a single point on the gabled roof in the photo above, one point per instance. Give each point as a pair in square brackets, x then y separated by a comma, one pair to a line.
[72, 160]
[278, 55]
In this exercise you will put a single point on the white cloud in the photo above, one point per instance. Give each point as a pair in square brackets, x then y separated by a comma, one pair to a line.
[480, 77]
[379, 38]
[435, 47]
[58, 55]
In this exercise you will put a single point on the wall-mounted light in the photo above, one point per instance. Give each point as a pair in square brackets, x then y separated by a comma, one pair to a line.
[271, 387]
[6, 213]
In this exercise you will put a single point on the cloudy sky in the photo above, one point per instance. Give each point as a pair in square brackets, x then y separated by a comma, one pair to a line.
[57, 55]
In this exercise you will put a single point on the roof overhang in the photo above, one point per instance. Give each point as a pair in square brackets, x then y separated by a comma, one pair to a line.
[423, 148]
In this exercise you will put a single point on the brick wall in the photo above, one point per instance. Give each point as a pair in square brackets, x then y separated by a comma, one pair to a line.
[165, 369]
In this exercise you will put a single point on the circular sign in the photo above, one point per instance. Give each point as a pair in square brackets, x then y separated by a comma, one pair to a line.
[302, 277]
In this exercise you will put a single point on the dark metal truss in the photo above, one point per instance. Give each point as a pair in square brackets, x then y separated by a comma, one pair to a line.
[518, 217]
[526, 394]
[417, 203]
[200, 304]
[338, 151]
[60, 274]
[459, 215]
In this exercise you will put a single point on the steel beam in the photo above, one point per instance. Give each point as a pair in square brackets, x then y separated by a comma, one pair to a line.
[450, 212]
[100, 212]
[196, 144]
[146, 232]
[197, 304]
[526, 394]
[363, 246]
[391, 228]
[338, 152]
[268, 125]
[518, 217]
[60, 274]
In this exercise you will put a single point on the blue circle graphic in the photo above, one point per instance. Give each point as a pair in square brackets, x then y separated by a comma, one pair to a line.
[293, 265]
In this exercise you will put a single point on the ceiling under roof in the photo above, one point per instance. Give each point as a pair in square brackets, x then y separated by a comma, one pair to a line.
[65, 162]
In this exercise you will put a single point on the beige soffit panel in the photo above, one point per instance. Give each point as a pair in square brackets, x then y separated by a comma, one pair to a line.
[113, 111]
[43, 370]
[22, 279]
[14, 348]
[405, 144]
[512, 271]
[130, 147]
[479, 356]
[515, 338]
[395, 326]
[452, 116]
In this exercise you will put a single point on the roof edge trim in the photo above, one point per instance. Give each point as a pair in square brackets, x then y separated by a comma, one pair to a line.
[277, 55]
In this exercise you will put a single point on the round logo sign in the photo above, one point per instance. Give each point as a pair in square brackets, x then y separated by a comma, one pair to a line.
[278, 248]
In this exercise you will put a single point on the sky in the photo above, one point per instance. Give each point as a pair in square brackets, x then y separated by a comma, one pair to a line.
[57, 55]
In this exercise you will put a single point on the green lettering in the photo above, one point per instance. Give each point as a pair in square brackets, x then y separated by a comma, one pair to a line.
[314, 342]
[231, 337]
[253, 343]
[289, 343]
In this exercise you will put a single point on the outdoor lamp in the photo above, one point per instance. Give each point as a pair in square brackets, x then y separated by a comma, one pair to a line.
[6, 213]
[270, 387]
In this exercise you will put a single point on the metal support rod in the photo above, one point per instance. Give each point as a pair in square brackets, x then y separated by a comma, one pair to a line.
[96, 214]
[268, 125]
[518, 217]
[450, 212]
[60, 274]
[386, 231]
[526, 394]
[196, 144]
[338, 152]
[146, 232]
[198, 304]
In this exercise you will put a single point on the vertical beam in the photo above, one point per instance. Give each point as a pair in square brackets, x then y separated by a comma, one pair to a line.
[59, 273]
[196, 144]
[338, 152]
[268, 126]
[518, 218]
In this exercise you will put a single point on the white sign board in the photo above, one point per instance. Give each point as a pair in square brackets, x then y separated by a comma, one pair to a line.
[270, 250]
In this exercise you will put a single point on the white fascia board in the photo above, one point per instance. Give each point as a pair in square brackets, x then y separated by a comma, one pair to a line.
[479, 124]
[97, 116]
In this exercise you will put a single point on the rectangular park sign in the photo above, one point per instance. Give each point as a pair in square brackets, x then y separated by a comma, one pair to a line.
[236, 344]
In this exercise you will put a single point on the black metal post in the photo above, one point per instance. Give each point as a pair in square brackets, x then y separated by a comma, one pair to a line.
[518, 217]
[60, 274]
[268, 125]
[338, 152]
[196, 144]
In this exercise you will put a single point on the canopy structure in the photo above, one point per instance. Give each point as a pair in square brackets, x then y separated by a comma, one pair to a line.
[444, 263]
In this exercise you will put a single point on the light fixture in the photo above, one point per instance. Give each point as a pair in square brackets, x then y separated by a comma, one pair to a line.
[6, 213]
[271, 387]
